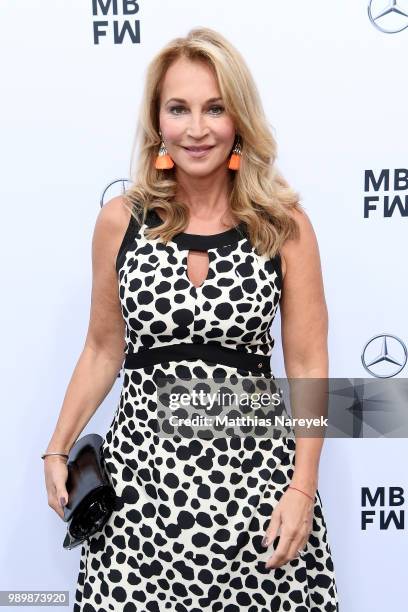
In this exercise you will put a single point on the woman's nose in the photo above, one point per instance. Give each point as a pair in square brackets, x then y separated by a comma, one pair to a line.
[197, 125]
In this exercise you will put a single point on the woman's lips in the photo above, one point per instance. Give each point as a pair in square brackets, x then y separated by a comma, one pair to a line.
[198, 152]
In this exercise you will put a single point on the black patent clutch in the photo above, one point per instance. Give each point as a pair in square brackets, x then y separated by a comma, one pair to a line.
[91, 497]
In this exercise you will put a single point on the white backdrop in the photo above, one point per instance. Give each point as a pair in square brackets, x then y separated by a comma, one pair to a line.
[334, 89]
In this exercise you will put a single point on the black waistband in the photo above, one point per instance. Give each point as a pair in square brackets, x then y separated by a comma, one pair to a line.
[255, 364]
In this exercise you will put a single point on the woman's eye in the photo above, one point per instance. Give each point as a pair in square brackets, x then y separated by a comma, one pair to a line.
[221, 108]
[177, 108]
[174, 108]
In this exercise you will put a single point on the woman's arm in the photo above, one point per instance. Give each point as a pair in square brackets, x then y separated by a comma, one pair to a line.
[304, 329]
[103, 353]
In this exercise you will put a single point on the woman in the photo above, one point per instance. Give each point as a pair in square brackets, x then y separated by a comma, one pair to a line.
[189, 267]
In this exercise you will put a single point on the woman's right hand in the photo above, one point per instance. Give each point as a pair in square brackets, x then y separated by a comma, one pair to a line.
[56, 474]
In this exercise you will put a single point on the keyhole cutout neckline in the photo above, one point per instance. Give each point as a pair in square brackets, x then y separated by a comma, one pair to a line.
[191, 255]
[201, 242]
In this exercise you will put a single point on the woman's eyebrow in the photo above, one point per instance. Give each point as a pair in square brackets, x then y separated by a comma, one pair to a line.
[185, 101]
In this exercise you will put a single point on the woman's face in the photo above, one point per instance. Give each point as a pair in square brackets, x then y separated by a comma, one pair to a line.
[196, 118]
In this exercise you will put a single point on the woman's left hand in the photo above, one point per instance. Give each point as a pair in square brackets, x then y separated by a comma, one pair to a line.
[294, 515]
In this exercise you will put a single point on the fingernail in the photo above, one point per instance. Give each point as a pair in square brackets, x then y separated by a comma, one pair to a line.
[62, 501]
[265, 541]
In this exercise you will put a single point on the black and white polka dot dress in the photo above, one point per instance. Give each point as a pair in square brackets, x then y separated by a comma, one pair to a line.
[190, 514]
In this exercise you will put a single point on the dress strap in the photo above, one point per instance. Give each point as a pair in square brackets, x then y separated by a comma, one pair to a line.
[131, 231]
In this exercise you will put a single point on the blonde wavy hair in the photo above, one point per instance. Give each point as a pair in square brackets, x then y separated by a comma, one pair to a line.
[259, 195]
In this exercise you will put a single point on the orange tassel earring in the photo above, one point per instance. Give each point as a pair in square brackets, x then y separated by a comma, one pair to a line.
[235, 159]
[163, 159]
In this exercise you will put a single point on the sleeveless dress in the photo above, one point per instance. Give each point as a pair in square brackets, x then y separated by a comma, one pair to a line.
[185, 534]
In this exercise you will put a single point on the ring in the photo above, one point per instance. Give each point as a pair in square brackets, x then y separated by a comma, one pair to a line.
[301, 552]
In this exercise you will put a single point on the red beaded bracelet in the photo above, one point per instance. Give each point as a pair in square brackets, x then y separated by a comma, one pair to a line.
[290, 487]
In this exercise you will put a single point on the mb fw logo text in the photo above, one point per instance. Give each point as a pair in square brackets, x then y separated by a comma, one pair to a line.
[115, 29]
[383, 508]
[395, 186]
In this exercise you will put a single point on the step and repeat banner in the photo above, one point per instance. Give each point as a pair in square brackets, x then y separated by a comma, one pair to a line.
[332, 77]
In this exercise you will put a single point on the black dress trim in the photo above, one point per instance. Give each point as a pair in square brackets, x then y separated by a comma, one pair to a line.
[214, 353]
[278, 258]
[131, 231]
[201, 242]
[184, 240]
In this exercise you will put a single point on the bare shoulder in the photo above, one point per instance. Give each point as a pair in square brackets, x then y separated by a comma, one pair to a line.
[106, 324]
[302, 249]
[110, 227]
[114, 215]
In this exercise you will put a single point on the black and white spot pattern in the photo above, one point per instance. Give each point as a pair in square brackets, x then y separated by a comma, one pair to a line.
[190, 514]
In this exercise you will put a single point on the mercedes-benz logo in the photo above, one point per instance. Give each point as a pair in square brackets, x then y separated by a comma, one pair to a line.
[384, 356]
[111, 190]
[389, 19]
